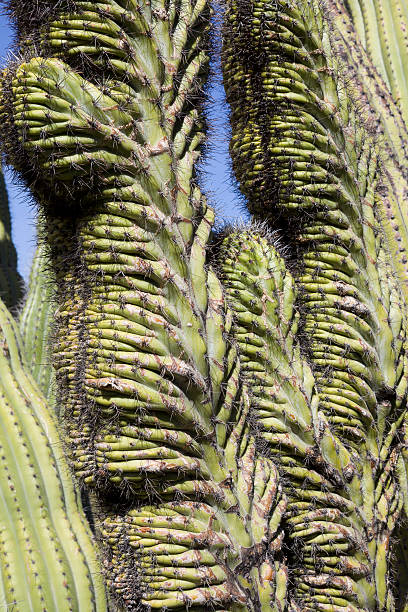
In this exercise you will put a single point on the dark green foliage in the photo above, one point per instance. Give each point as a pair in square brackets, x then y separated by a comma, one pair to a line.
[11, 283]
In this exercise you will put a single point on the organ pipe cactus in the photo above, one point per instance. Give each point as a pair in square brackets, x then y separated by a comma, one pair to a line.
[233, 405]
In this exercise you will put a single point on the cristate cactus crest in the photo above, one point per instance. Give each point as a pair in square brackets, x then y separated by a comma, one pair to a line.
[232, 404]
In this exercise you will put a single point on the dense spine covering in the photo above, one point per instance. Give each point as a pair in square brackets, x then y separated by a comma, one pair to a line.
[157, 421]
[261, 293]
[36, 321]
[11, 283]
[48, 559]
[300, 146]
[384, 115]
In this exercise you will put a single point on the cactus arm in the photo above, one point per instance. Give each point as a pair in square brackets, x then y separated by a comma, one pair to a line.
[261, 293]
[35, 325]
[48, 558]
[11, 283]
[157, 421]
[338, 191]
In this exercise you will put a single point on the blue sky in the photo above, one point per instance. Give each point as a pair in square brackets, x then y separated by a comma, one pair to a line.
[216, 177]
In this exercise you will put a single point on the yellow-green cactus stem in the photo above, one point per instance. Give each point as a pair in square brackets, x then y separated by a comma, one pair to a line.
[308, 159]
[47, 556]
[36, 320]
[261, 293]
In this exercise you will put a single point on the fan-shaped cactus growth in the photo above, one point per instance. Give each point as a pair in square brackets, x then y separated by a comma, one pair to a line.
[233, 405]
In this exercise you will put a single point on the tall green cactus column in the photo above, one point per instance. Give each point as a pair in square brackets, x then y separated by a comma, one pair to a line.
[188, 509]
[48, 560]
[308, 159]
[36, 323]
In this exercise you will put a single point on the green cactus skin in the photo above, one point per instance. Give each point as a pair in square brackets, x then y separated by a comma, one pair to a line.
[382, 28]
[35, 324]
[299, 145]
[157, 421]
[363, 85]
[171, 425]
[11, 283]
[261, 293]
[333, 528]
[384, 113]
[47, 556]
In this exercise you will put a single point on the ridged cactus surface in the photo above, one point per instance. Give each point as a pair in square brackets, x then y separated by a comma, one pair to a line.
[48, 560]
[188, 509]
[233, 404]
[301, 145]
[36, 322]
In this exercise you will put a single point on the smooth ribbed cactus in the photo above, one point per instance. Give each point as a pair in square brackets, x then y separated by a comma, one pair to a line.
[233, 405]
[48, 560]
[36, 321]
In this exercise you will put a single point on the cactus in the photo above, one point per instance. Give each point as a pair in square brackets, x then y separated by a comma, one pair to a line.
[48, 560]
[157, 422]
[36, 322]
[353, 306]
[232, 404]
[11, 283]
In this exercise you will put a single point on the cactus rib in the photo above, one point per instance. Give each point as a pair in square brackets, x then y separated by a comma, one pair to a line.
[48, 558]
[36, 325]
